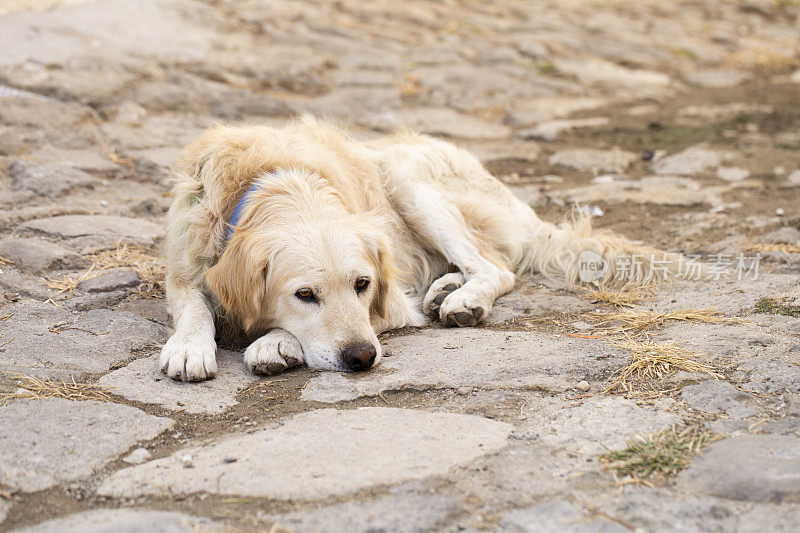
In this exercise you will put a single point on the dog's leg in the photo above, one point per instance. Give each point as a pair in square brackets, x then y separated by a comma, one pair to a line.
[274, 352]
[441, 226]
[191, 353]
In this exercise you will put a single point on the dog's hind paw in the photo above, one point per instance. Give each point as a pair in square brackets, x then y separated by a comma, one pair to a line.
[275, 352]
[191, 358]
[439, 290]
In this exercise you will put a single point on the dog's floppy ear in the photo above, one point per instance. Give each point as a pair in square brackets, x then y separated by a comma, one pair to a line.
[379, 250]
[385, 275]
[238, 281]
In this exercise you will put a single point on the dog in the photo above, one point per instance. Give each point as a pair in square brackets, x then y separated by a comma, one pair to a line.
[313, 243]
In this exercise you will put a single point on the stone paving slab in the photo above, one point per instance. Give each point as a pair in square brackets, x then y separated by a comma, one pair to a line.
[39, 255]
[396, 513]
[97, 231]
[104, 338]
[46, 441]
[150, 28]
[759, 468]
[125, 521]
[556, 516]
[452, 358]
[142, 381]
[319, 454]
[600, 424]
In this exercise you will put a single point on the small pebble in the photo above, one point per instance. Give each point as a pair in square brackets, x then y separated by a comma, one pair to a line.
[583, 386]
[647, 155]
[463, 391]
[187, 462]
[137, 456]
[780, 212]
[229, 460]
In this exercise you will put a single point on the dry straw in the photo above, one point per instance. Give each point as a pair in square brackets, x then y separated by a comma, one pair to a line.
[626, 296]
[654, 362]
[30, 387]
[638, 321]
[151, 270]
[786, 249]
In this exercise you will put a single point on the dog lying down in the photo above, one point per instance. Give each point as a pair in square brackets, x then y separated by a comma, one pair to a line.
[312, 243]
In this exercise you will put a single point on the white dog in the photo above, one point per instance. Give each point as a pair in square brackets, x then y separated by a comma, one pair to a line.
[317, 242]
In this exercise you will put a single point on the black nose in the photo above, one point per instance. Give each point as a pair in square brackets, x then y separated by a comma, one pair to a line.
[359, 357]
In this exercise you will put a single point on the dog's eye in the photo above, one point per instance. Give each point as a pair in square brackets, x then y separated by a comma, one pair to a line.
[307, 295]
[362, 284]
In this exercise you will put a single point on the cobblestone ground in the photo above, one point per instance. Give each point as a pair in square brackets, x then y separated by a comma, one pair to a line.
[678, 122]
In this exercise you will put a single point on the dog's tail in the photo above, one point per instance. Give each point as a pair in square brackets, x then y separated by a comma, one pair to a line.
[577, 253]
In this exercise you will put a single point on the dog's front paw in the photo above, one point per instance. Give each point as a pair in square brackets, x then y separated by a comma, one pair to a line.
[463, 309]
[439, 290]
[189, 358]
[274, 352]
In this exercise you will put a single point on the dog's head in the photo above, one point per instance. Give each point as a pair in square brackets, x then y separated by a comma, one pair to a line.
[300, 262]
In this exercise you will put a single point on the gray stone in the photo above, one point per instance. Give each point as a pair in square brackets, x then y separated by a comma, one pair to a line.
[50, 180]
[112, 280]
[594, 160]
[142, 381]
[97, 230]
[592, 71]
[104, 338]
[600, 424]
[663, 190]
[551, 129]
[38, 255]
[555, 516]
[507, 150]
[717, 79]
[334, 452]
[446, 122]
[452, 358]
[689, 162]
[546, 108]
[47, 441]
[759, 468]
[125, 521]
[720, 397]
[793, 179]
[784, 235]
[732, 173]
[117, 28]
[137, 456]
[400, 513]
[723, 112]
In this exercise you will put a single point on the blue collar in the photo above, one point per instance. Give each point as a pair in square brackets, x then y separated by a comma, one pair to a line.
[237, 211]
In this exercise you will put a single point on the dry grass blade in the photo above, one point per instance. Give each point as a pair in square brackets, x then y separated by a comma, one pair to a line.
[659, 455]
[69, 283]
[654, 362]
[636, 321]
[4, 261]
[786, 249]
[626, 296]
[151, 269]
[44, 388]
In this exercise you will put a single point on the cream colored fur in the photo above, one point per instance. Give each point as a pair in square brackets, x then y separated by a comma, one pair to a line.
[419, 218]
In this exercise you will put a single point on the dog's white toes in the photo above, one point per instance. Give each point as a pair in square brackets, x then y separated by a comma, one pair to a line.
[273, 353]
[439, 290]
[189, 358]
[463, 309]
